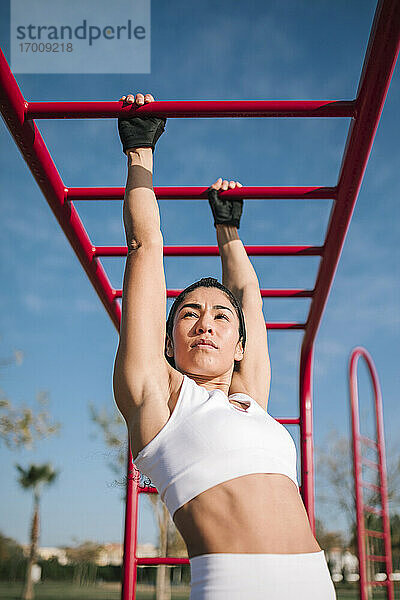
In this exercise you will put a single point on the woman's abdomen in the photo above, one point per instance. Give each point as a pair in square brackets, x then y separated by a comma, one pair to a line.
[256, 513]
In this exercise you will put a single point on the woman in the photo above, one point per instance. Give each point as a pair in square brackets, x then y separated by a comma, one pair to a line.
[194, 395]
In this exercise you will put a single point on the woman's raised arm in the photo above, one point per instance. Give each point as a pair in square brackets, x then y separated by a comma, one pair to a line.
[239, 275]
[140, 368]
[237, 270]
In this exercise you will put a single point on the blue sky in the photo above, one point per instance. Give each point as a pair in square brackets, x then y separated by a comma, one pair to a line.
[199, 51]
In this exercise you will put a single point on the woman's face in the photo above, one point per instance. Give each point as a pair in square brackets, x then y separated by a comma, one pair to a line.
[211, 316]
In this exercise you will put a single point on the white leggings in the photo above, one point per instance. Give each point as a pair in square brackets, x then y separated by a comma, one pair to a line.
[219, 576]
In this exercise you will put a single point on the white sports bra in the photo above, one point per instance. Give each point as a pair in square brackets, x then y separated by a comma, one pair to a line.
[207, 440]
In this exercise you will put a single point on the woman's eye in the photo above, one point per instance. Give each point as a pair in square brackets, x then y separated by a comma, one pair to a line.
[194, 315]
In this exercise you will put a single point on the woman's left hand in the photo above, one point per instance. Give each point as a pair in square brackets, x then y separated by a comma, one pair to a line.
[139, 131]
[226, 211]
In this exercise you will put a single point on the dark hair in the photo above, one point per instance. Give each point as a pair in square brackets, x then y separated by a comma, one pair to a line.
[205, 282]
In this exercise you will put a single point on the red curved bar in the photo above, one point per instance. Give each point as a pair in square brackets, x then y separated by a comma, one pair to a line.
[358, 461]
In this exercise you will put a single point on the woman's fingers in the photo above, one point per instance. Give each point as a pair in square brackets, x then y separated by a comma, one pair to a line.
[217, 184]
[139, 98]
[224, 184]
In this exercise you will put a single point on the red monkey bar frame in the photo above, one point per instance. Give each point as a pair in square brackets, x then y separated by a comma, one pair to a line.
[358, 461]
[365, 111]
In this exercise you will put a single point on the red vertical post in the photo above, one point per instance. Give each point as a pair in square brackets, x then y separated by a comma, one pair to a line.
[129, 574]
[358, 462]
[306, 432]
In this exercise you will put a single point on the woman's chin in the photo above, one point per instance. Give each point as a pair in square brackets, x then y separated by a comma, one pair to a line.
[206, 368]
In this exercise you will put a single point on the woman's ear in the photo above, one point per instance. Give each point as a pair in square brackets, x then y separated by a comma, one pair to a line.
[239, 350]
[169, 347]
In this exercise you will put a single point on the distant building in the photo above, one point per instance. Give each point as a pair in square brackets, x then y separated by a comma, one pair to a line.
[112, 554]
[48, 552]
[147, 550]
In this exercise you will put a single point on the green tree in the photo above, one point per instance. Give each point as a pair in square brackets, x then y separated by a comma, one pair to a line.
[375, 545]
[32, 479]
[11, 558]
[20, 426]
[328, 539]
[395, 535]
[335, 480]
[84, 557]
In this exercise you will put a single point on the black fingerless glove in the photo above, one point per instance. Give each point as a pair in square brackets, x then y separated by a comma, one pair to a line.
[226, 211]
[140, 132]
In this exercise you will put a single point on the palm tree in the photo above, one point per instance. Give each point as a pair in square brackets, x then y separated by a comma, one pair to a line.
[33, 477]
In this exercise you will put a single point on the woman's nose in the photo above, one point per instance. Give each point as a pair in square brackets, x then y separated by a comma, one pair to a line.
[204, 323]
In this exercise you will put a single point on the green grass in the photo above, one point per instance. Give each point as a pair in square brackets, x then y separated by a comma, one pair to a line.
[350, 592]
[65, 591]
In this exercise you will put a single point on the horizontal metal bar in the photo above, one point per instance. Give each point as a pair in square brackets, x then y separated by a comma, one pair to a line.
[376, 558]
[214, 250]
[372, 509]
[293, 293]
[147, 489]
[193, 109]
[265, 293]
[370, 463]
[285, 325]
[377, 534]
[160, 560]
[368, 442]
[370, 486]
[288, 420]
[200, 193]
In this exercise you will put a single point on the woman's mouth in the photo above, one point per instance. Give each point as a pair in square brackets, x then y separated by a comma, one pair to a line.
[205, 346]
